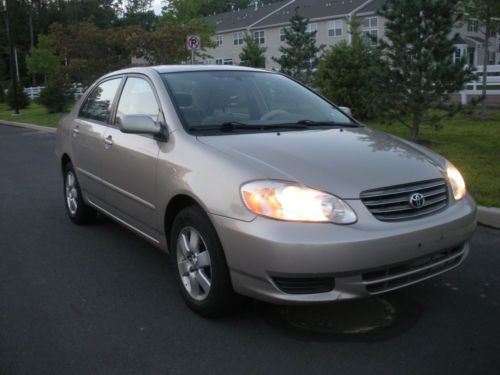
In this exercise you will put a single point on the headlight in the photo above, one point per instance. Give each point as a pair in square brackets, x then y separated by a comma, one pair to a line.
[456, 181]
[288, 201]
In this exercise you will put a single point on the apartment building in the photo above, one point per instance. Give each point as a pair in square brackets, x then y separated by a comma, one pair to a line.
[330, 18]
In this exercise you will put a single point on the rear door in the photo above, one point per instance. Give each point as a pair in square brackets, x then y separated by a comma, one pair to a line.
[88, 137]
[130, 160]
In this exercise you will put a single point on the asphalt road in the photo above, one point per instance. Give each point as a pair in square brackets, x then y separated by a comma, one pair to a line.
[99, 300]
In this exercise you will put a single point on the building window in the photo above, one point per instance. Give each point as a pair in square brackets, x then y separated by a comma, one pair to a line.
[258, 36]
[491, 57]
[219, 61]
[208, 61]
[370, 23]
[227, 62]
[473, 26]
[238, 38]
[311, 27]
[219, 39]
[459, 54]
[282, 33]
[370, 29]
[335, 28]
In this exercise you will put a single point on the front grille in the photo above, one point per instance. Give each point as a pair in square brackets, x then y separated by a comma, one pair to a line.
[305, 285]
[393, 203]
[396, 276]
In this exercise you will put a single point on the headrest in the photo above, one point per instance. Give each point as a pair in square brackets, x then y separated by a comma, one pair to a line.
[184, 99]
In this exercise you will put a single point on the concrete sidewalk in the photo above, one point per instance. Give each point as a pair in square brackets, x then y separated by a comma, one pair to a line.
[489, 216]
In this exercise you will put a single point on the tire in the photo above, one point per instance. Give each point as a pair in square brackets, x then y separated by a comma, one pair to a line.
[78, 211]
[200, 266]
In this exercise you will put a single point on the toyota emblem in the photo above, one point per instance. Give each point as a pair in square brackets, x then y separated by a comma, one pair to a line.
[417, 200]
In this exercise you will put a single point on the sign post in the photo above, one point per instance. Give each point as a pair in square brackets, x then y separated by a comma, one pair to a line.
[193, 43]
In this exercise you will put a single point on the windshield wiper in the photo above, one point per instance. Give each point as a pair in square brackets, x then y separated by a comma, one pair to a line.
[311, 123]
[228, 127]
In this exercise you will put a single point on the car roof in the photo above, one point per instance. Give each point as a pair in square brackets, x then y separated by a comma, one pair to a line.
[184, 68]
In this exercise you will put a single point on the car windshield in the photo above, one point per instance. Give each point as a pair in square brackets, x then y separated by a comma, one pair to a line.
[249, 101]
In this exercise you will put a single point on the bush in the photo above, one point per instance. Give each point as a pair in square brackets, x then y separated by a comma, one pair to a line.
[344, 76]
[54, 96]
[23, 101]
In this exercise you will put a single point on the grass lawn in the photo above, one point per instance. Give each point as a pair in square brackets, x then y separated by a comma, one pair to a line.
[34, 114]
[472, 145]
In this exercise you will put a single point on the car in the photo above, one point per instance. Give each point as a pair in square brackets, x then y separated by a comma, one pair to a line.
[258, 186]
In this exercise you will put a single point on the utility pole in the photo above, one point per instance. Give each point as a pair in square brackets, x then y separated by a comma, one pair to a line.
[12, 57]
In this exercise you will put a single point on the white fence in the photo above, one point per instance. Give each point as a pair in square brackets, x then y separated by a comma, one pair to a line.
[476, 87]
[33, 93]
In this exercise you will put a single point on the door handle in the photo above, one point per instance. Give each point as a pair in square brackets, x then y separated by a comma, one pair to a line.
[108, 140]
[76, 131]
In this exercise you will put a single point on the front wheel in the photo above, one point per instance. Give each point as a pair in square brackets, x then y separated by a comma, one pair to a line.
[79, 212]
[200, 265]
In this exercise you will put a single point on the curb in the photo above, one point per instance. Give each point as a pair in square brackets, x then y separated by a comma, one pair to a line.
[29, 126]
[489, 216]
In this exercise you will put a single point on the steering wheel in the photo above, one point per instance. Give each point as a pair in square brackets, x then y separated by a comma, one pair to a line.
[274, 113]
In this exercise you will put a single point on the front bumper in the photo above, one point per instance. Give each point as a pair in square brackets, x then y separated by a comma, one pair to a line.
[368, 257]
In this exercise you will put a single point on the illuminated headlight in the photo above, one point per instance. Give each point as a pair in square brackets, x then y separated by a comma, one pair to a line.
[291, 202]
[456, 180]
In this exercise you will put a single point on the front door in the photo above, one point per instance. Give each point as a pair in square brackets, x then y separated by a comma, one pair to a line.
[130, 161]
[88, 138]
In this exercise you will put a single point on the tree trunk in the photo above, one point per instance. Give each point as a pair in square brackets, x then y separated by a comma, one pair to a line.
[485, 60]
[415, 126]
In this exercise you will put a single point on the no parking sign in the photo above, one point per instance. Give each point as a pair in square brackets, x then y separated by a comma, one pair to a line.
[193, 42]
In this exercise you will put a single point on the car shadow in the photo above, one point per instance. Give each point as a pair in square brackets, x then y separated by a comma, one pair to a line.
[361, 320]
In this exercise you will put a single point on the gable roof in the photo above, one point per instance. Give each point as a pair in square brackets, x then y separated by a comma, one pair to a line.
[244, 18]
[279, 13]
[312, 9]
[371, 7]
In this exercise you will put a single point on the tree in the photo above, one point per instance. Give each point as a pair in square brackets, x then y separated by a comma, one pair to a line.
[345, 75]
[42, 59]
[299, 57]
[22, 99]
[487, 13]
[166, 45]
[54, 96]
[206, 7]
[419, 73]
[184, 17]
[88, 52]
[252, 54]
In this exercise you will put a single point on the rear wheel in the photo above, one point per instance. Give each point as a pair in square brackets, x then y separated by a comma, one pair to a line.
[79, 212]
[200, 265]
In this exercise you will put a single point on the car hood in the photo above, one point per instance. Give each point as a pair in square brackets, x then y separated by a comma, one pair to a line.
[342, 161]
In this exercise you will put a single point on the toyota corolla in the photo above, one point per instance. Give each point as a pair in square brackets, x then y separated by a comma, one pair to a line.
[258, 186]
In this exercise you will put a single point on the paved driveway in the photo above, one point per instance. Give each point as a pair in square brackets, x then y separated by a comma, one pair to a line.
[99, 300]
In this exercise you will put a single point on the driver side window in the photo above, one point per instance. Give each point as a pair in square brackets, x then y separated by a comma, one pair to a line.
[98, 104]
[137, 98]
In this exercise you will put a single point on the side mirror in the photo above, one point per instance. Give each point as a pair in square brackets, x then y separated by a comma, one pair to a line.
[346, 110]
[139, 124]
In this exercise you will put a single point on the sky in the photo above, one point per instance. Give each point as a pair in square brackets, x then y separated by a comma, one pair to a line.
[157, 6]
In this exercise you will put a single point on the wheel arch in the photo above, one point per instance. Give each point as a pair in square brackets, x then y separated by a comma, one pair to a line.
[176, 205]
[65, 159]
